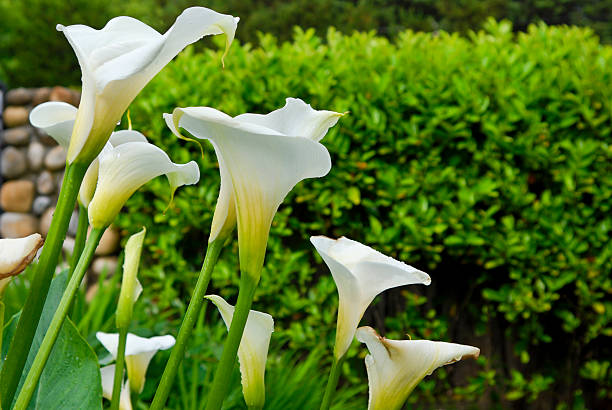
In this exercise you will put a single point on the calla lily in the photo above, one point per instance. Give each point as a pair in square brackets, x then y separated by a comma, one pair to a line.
[57, 119]
[16, 254]
[130, 286]
[120, 59]
[395, 367]
[138, 354]
[360, 273]
[261, 158]
[88, 186]
[253, 350]
[108, 375]
[125, 168]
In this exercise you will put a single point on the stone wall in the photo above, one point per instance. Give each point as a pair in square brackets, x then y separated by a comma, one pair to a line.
[31, 173]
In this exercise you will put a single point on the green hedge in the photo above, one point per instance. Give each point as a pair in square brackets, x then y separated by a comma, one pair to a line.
[484, 160]
[26, 25]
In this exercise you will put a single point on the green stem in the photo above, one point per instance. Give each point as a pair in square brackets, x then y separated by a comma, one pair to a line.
[31, 381]
[79, 239]
[223, 374]
[332, 382]
[32, 309]
[1, 326]
[119, 364]
[195, 305]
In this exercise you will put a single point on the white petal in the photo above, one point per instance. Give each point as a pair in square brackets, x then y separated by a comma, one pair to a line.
[120, 59]
[138, 353]
[17, 254]
[137, 366]
[135, 344]
[296, 118]
[110, 341]
[264, 165]
[88, 186]
[253, 350]
[108, 376]
[56, 118]
[125, 136]
[124, 169]
[127, 47]
[130, 287]
[360, 273]
[224, 218]
[395, 367]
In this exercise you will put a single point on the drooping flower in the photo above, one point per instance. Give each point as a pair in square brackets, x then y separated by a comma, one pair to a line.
[108, 377]
[125, 168]
[261, 158]
[138, 353]
[120, 59]
[253, 350]
[130, 286]
[15, 255]
[360, 273]
[395, 367]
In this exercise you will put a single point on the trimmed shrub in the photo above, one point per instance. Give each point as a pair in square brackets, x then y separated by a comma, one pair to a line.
[26, 25]
[484, 160]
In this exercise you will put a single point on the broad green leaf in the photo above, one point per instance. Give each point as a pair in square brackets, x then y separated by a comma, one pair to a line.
[71, 378]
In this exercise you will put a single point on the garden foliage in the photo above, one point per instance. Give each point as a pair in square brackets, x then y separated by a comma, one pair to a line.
[484, 160]
[28, 24]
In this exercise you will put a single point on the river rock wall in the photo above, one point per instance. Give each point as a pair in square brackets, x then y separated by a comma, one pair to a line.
[31, 172]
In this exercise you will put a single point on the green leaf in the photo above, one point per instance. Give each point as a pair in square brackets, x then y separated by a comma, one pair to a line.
[354, 195]
[71, 378]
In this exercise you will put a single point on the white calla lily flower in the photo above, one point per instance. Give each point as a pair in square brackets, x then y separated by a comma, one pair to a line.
[88, 186]
[57, 119]
[360, 273]
[130, 286]
[261, 158]
[17, 253]
[395, 367]
[138, 353]
[253, 350]
[125, 168]
[120, 59]
[108, 377]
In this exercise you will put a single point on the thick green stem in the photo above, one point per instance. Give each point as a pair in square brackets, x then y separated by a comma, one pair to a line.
[221, 384]
[32, 309]
[332, 382]
[195, 305]
[1, 326]
[119, 364]
[31, 381]
[79, 239]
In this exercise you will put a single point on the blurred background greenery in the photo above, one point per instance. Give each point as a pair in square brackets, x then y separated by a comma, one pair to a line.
[32, 53]
[476, 150]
